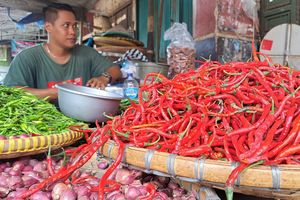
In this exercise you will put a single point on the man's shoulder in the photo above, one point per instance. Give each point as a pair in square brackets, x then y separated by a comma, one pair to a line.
[31, 50]
[83, 48]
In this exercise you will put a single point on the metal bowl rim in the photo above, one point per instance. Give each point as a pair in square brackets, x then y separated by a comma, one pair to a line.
[62, 88]
[151, 64]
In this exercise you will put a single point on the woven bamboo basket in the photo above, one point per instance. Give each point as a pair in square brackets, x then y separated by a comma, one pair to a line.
[281, 181]
[117, 41]
[202, 192]
[14, 148]
[119, 49]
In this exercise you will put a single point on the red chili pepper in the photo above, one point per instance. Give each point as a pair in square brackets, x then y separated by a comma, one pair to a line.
[112, 167]
[222, 96]
[84, 131]
[187, 124]
[235, 112]
[261, 78]
[288, 122]
[151, 189]
[79, 180]
[77, 150]
[259, 133]
[234, 140]
[254, 126]
[163, 113]
[218, 141]
[258, 97]
[212, 137]
[269, 139]
[241, 144]
[293, 149]
[231, 179]
[112, 186]
[280, 93]
[143, 137]
[155, 76]
[297, 139]
[159, 132]
[250, 139]
[49, 162]
[282, 160]
[289, 139]
[226, 149]
[296, 123]
[292, 161]
[195, 151]
[237, 84]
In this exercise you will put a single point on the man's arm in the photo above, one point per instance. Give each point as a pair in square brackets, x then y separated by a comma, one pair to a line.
[22, 74]
[102, 81]
[51, 93]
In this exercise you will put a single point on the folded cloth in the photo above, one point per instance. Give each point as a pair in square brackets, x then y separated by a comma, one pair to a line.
[132, 54]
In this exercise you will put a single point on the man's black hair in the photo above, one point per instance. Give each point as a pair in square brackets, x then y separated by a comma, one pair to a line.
[50, 12]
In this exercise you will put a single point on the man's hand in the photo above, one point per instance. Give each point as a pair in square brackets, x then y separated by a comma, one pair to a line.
[103, 80]
[98, 82]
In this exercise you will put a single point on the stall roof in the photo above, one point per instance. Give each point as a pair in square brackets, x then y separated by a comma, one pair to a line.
[35, 6]
[101, 7]
[14, 13]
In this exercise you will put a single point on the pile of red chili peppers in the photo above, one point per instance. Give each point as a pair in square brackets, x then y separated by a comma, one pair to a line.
[242, 111]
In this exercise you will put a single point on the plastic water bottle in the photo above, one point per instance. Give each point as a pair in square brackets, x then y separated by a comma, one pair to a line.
[131, 87]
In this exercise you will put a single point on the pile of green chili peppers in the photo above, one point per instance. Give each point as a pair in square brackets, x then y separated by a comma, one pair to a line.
[125, 103]
[22, 112]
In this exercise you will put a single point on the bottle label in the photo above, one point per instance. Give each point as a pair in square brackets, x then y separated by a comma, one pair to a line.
[131, 93]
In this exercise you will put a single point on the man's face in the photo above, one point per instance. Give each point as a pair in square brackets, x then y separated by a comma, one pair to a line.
[64, 30]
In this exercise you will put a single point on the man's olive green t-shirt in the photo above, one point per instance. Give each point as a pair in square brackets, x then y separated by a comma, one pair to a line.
[35, 69]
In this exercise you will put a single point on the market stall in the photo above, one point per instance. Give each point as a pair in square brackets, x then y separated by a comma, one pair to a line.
[180, 128]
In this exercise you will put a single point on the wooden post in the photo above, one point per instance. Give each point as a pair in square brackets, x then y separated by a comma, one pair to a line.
[80, 32]
[150, 41]
[158, 33]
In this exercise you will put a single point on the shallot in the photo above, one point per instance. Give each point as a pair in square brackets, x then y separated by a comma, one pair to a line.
[2, 137]
[27, 168]
[40, 196]
[82, 190]
[57, 190]
[3, 179]
[132, 193]
[124, 176]
[102, 165]
[26, 173]
[68, 194]
[28, 180]
[3, 192]
[40, 166]
[15, 182]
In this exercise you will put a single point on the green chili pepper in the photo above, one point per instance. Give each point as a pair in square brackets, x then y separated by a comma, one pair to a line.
[22, 112]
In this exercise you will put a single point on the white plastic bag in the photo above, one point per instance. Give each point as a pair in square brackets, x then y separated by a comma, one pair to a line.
[250, 9]
[181, 51]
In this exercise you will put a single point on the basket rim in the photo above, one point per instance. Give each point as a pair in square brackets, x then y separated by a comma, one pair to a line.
[205, 170]
[12, 148]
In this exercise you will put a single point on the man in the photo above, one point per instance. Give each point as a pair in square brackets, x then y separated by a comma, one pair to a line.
[60, 60]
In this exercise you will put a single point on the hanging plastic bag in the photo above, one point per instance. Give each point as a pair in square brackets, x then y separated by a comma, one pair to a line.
[181, 50]
[250, 9]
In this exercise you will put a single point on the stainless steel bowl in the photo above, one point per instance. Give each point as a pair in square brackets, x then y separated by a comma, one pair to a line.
[85, 103]
[144, 68]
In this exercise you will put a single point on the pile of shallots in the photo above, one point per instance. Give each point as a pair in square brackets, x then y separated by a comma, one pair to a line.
[17, 176]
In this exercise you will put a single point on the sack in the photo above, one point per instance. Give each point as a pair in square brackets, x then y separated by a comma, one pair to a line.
[181, 50]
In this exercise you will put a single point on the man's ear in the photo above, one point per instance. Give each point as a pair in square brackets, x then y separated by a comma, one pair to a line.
[48, 27]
